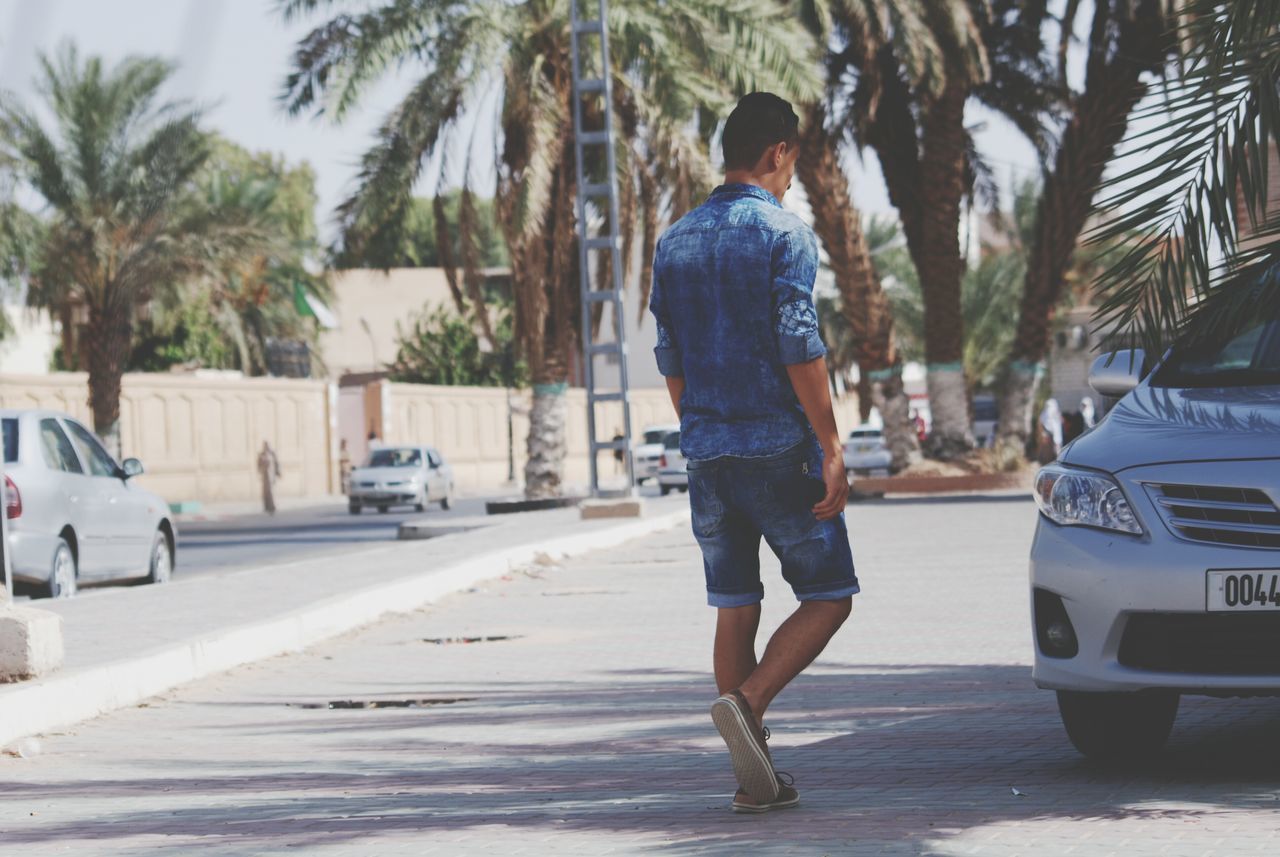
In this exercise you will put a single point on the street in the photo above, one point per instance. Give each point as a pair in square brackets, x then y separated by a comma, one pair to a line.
[243, 541]
[575, 722]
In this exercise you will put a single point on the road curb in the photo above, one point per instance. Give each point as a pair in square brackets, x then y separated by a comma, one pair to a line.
[62, 700]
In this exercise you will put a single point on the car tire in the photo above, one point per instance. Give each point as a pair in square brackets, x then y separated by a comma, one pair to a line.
[1118, 726]
[684, 489]
[384, 509]
[446, 502]
[354, 509]
[160, 568]
[419, 507]
[664, 490]
[64, 575]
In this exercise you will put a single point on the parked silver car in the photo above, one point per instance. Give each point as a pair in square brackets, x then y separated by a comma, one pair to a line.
[1155, 569]
[647, 451]
[401, 476]
[673, 469]
[865, 451]
[74, 515]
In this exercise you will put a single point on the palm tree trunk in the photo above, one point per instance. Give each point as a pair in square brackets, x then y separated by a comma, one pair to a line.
[105, 347]
[862, 300]
[895, 410]
[941, 267]
[544, 470]
[1112, 88]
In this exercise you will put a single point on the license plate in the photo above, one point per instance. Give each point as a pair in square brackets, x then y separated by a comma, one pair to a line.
[864, 447]
[1243, 590]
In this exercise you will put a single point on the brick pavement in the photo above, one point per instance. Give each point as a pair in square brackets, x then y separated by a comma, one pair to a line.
[589, 733]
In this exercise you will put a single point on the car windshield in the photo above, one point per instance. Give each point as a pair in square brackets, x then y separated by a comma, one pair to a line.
[656, 435]
[672, 440]
[395, 458]
[984, 409]
[864, 434]
[10, 440]
[1249, 358]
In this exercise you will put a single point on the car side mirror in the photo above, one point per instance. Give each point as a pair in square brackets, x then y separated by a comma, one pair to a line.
[1118, 373]
[131, 467]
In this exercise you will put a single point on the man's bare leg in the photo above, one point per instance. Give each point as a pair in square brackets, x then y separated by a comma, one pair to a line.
[793, 647]
[735, 648]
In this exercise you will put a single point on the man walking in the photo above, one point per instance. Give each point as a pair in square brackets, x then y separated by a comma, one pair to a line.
[268, 472]
[738, 343]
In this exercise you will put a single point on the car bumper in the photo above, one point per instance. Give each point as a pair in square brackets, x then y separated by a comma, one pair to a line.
[863, 461]
[1128, 596]
[673, 478]
[385, 497]
[31, 555]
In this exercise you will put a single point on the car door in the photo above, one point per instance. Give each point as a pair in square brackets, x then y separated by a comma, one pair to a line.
[85, 505]
[108, 508]
[437, 479]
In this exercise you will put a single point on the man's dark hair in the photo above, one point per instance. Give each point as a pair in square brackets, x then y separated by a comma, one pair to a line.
[760, 120]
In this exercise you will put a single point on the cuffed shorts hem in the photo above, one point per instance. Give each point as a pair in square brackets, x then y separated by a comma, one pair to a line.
[830, 594]
[734, 599]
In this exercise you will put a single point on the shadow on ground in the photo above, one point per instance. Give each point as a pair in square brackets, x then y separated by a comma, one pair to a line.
[894, 759]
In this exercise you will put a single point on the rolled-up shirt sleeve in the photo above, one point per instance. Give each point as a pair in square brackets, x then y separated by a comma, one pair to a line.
[795, 319]
[667, 351]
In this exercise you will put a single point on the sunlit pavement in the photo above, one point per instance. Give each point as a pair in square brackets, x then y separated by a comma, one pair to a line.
[585, 731]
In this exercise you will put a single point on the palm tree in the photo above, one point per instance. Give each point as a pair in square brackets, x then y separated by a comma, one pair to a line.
[677, 65]
[1127, 40]
[114, 171]
[1201, 181]
[914, 68]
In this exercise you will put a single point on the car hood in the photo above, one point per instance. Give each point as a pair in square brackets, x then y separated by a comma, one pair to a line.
[386, 474]
[1154, 425]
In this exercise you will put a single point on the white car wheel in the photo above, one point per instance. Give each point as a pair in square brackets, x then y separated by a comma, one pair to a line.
[63, 576]
[161, 570]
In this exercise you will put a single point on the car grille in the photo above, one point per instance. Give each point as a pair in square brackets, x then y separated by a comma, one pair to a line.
[1245, 517]
[1205, 643]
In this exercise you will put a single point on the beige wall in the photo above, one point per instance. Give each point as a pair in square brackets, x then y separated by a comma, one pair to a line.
[386, 301]
[199, 437]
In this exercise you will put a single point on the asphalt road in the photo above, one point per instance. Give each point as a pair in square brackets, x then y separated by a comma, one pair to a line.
[244, 541]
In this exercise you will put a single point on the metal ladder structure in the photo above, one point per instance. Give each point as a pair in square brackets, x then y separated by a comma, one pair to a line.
[605, 197]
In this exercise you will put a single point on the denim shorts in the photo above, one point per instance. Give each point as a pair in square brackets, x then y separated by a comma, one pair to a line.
[736, 501]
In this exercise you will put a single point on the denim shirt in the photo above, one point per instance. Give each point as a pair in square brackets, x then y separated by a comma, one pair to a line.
[733, 300]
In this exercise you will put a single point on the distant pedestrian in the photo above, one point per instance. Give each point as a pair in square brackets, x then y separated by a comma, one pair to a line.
[344, 465]
[738, 343]
[269, 472]
[1089, 412]
[619, 455]
[917, 422]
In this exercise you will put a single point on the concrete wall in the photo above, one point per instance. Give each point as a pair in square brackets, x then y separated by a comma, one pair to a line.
[199, 438]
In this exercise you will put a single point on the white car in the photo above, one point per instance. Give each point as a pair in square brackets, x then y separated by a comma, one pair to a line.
[400, 476]
[865, 451]
[74, 514]
[673, 469]
[647, 452]
[1155, 570]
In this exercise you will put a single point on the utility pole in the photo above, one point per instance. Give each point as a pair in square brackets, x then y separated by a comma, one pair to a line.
[592, 82]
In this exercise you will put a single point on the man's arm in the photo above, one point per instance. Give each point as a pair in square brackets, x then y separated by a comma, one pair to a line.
[675, 386]
[809, 380]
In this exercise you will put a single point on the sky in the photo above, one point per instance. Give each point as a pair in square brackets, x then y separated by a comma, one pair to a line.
[232, 58]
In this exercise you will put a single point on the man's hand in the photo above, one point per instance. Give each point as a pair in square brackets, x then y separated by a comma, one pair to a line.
[837, 482]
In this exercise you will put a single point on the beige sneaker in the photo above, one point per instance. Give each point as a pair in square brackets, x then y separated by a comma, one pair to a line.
[787, 798]
[747, 751]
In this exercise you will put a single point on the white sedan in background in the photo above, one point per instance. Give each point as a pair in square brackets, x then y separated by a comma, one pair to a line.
[673, 469]
[865, 451]
[647, 453]
[400, 476]
[74, 515]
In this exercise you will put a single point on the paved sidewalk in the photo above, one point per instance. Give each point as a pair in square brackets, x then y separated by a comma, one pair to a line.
[587, 733]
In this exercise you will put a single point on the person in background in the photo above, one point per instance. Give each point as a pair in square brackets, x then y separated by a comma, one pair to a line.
[269, 472]
[344, 466]
[1088, 412]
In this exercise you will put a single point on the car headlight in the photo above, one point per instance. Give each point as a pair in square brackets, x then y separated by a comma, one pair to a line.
[1073, 497]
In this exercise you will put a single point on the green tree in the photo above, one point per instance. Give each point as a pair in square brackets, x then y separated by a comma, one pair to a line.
[421, 238]
[908, 71]
[224, 317]
[444, 348]
[1128, 39]
[676, 66]
[1201, 180]
[114, 170]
